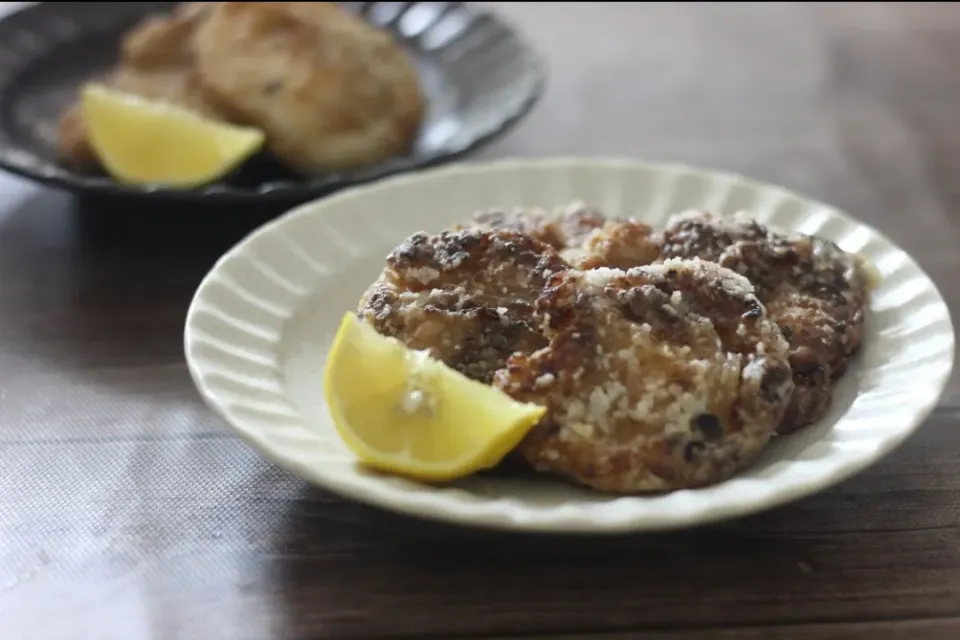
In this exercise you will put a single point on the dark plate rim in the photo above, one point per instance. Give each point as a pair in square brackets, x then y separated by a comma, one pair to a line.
[23, 163]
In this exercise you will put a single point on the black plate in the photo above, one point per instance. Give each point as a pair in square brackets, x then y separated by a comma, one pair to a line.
[479, 75]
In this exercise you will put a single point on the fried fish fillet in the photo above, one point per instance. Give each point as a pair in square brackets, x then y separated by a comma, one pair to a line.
[656, 378]
[156, 63]
[331, 91]
[817, 293]
[466, 296]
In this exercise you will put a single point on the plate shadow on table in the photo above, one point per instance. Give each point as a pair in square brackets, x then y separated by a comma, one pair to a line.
[117, 276]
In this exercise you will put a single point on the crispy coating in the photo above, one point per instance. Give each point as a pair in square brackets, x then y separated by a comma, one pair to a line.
[618, 244]
[816, 292]
[331, 91]
[466, 295]
[156, 63]
[582, 234]
[564, 228]
[657, 378]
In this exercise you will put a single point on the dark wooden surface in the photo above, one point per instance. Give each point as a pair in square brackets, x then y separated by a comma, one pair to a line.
[128, 512]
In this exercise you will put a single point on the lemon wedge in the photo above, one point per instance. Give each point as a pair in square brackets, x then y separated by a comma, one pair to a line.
[400, 411]
[144, 142]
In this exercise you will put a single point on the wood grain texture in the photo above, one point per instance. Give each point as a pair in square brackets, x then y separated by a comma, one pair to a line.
[129, 512]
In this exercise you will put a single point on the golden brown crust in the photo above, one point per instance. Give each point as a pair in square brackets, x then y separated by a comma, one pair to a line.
[466, 295]
[563, 228]
[657, 378]
[617, 244]
[581, 233]
[330, 91]
[816, 292]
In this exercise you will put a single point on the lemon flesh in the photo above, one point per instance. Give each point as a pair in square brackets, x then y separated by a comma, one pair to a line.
[143, 142]
[402, 412]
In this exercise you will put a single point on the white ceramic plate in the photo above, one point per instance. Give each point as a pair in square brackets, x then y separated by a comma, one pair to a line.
[258, 331]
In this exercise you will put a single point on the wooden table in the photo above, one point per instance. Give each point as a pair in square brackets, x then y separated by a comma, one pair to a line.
[128, 511]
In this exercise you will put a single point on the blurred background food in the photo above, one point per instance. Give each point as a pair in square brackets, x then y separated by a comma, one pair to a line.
[330, 91]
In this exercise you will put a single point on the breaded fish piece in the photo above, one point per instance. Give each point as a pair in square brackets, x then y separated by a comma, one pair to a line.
[156, 63]
[655, 379]
[816, 292]
[331, 91]
[466, 295]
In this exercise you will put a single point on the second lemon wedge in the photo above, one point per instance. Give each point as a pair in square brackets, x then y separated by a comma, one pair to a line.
[402, 412]
[143, 142]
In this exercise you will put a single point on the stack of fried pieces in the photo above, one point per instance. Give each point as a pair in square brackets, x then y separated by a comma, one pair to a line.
[330, 91]
[666, 360]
